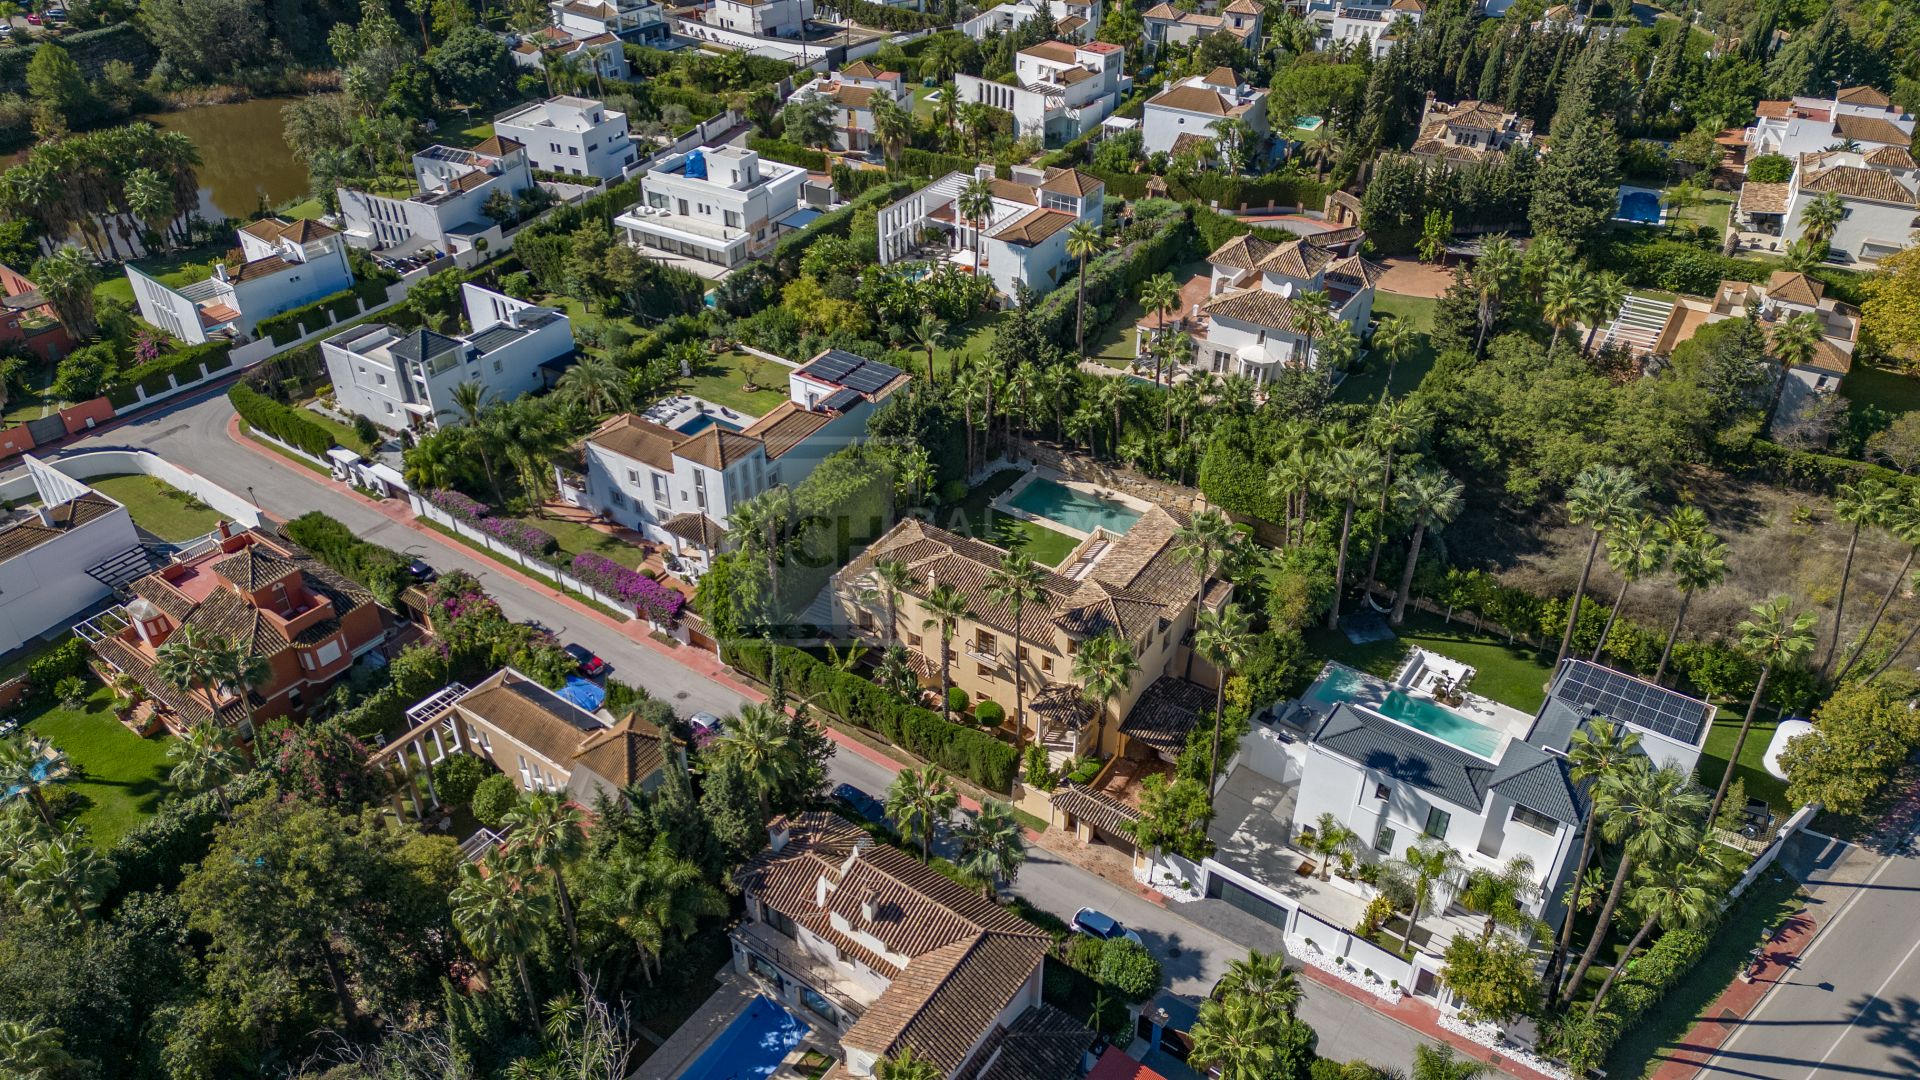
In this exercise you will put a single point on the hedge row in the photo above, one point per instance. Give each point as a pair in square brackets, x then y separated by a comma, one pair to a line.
[916, 162]
[1114, 277]
[291, 326]
[1584, 1044]
[961, 750]
[183, 364]
[1806, 470]
[791, 153]
[382, 570]
[785, 257]
[1229, 191]
[287, 424]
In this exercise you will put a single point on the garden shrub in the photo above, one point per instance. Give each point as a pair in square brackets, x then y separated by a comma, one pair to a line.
[64, 661]
[154, 854]
[283, 422]
[990, 714]
[790, 153]
[1770, 169]
[382, 570]
[957, 700]
[1130, 969]
[493, 798]
[642, 593]
[458, 777]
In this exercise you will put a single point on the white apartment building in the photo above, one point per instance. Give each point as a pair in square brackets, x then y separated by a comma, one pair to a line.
[1024, 239]
[850, 94]
[572, 135]
[1073, 21]
[1806, 125]
[406, 379]
[56, 557]
[1064, 89]
[287, 264]
[717, 205]
[761, 18]
[1367, 24]
[679, 486]
[449, 212]
[1191, 108]
[1168, 25]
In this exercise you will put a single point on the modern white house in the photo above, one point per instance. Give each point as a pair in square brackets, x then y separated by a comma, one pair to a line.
[596, 54]
[1064, 89]
[449, 212]
[850, 94]
[636, 20]
[1806, 125]
[678, 485]
[1366, 25]
[406, 379]
[285, 265]
[1023, 241]
[1166, 24]
[716, 205]
[1072, 20]
[57, 556]
[572, 135]
[1192, 108]
[1468, 131]
[761, 18]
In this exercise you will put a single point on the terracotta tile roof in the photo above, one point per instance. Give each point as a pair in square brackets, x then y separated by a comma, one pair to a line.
[1795, 288]
[1187, 140]
[625, 754]
[1014, 191]
[1863, 95]
[945, 1000]
[642, 440]
[1757, 198]
[1774, 110]
[268, 229]
[1096, 808]
[1243, 7]
[30, 533]
[532, 715]
[1195, 99]
[1440, 148]
[498, 146]
[1256, 306]
[259, 268]
[857, 97]
[1890, 157]
[717, 448]
[189, 705]
[1166, 713]
[1057, 51]
[1074, 75]
[1408, 5]
[1359, 269]
[1297, 259]
[1855, 182]
[228, 614]
[860, 69]
[1069, 24]
[252, 569]
[1071, 182]
[1479, 115]
[786, 427]
[1042, 1042]
[1222, 76]
[1035, 226]
[1063, 705]
[1161, 11]
[306, 231]
[1243, 252]
[1871, 129]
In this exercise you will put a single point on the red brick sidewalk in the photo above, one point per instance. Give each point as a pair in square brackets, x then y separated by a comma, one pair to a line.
[1735, 1003]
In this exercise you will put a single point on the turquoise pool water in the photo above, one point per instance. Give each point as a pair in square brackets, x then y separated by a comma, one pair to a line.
[703, 421]
[752, 1047]
[1058, 502]
[1308, 123]
[1422, 714]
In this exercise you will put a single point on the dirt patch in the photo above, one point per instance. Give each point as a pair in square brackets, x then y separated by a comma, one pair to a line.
[1411, 278]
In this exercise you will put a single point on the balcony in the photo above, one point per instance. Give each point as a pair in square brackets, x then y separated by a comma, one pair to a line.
[820, 975]
[292, 620]
[981, 655]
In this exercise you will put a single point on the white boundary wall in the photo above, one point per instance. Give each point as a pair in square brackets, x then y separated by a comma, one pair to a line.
[97, 463]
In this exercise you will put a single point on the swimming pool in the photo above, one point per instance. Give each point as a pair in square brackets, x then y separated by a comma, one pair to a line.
[1308, 123]
[703, 421]
[752, 1047]
[1640, 206]
[1423, 714]
[1077, 510]
[39, 771]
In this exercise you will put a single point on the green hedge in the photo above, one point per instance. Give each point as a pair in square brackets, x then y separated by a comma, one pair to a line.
[791, 153]
[1113, 278]
[1806, 470]
[961, 750]
[915, 162]
[382, 570]
[1584, 1043]
[287, 424]
[785, 257]
[184, 364]
[65, 660]
[285, 328]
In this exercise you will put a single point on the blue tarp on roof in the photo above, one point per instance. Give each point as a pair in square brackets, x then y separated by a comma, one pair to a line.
[584, 693]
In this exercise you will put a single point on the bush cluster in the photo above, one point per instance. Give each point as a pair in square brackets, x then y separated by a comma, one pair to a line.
[64, 661]
[1119, 964]
[183, 365]
[646, 596]
[1583, 1044]
[518, 535]
[1160, 236]
[791, 153]
[290, 326]
[283, 422]
[382, 570]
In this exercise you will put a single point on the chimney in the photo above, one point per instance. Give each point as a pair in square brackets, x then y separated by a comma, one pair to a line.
[226, 529]
[869, 904]
[149, 622]
[45, 514]
[983, 171]
[778, 832]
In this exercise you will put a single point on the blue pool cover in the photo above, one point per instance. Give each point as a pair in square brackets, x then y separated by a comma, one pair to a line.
[752, 1047]
[583, 693]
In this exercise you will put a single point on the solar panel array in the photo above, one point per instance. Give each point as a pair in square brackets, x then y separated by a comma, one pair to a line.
[1626, 699]
[852, 372]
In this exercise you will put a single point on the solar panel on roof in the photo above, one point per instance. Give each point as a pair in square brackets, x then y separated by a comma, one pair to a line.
[1632, 701]
[832, 366]
[867, 379]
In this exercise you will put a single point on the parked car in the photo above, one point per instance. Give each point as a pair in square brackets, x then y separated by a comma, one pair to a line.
[590, 665]
[1102, 925]
[421, 573]
[861, 803]
[706, 727]
[33, 18]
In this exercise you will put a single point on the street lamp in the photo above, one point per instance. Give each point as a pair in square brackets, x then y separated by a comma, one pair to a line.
[253, 497]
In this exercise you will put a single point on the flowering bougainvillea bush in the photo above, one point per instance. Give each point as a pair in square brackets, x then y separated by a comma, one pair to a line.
[518, 535]
[458, 505]
[647, 596]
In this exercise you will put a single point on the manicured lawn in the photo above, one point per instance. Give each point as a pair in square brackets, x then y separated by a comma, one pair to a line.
[158, 507]
[1761, 784]
[1510, 674]
[305, 209]
[1365, 384]
[342, 433]
[1113, 344]
[120, 777]
[719, 379]
[35, 402]
[1870, 384]
[576, 538]
[1714, 208]
[976, 518]
[176, 269]
[966, 341]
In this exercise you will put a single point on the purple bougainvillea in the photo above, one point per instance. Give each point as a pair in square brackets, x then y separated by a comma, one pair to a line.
[518, 535]
[460, 506]
[646, 596]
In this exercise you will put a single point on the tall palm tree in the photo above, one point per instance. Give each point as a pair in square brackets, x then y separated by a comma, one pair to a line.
[1313, 313]
[1345, 473]
[206, 758]
[1677, 896]
[470, 401]
[1432, 498]
[1393, 339]
[1698, 564]
[1432, 1062]
[1499, 895]
[905, 1066]
[892, 126]
[1016, 584]
[1774, 638]
[758, 740]
[1495, 273]
[1566, 297]
[1903, 521]
[1264, 980]
[930, 334]
[1605, 298]
[1635, 550]
[892, 579]
[1159, 294]
[498, 916]
[1202, 545]
[1224, 638]
[1428, 863]
[595, 384]
[1905, 643]
[650, 897]
[27, 765]
[993, 846]
[1083, 243]
[29, 1051]
[945, 606]
[1111, 395]
[1104, 666]
[976, 205]
[548, 833]
[1653, 814]
[1794, 342]
[1598, 749]
[62, 876]
[1392, 428]
[919, 800]
[241, 670]
[1235, 1038]
[192, 657]
[1821, 217]
[1868, 502]
[1601, 498]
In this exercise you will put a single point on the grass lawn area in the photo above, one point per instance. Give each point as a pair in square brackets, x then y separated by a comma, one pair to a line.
[1112, 344]
[158, 507]
[120, 777]
[1647, 1042]
[719, 379]
[1761, 784]
[35, 402]
[1365, 384]
[175, 268]
[923, 108]
[965, 341]
[1510, 674]
[342, 433]
[576, 539]
[1714, 208]
[1870, 384]
[978, 519]
[307, 209]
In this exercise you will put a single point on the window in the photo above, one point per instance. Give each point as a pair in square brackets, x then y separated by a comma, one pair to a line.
[733, 219]
[985, 671]
[328, 653]
[1533, 819]
[1383, 843]
[659, 488]
[573, 151]
[818, 1004]
[983, 641]
[1382, 792]
[617, 499]
[1046, 664]
[913, 640]
[1437, 822]
[633, 476]
[776, 920]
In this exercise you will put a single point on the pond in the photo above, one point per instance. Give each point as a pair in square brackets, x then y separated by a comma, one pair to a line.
[243, 155]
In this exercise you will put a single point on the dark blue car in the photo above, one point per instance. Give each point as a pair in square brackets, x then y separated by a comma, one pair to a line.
[861, 803]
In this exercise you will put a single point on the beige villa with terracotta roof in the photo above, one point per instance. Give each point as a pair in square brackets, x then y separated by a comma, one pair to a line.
[850, 94]
[1166, 24]
[1468, 131]
[1194, 107]
[1060, 89]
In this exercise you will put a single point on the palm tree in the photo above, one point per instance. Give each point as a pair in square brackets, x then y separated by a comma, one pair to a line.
[548, 832]
[1605, 298]
[595, 384]
[1905, 643]
[1653, 814]
[1597, 749]
[1903, 521]
[1698, 564]
[190, 656]
[31, 1052]
[241, 670]
[1868, 502]
[1393, 338]
[206, 758]
[1083, 242]
[1821, 217]
[1263, 980]
[1104, 666]
[1563, 301]
[1494, 273]
[892, 126]
[1602, 497]
[1775, 638]
[1392, 428]
[1497, 895]
[64, 875]
[1235, 1039]
[1793, 343]
[650, 897]
[946, 606]
[905, 1066]
[1014, 584]
[919, 800]
[930, 333]
[1224, 638]
[1431, 1062]
[1202, 545]
[1330, 837]
[1432, 498]
[1429, 862]
[471, 401]
[1312, 315]
[1676, 896]
[758, 740]
[993, 846]
[1344, 474]
[27, 765]
[1634, 550]
[892, 579]
[1111, 396]
[1159, 294]
[498, 916]
[976, 205]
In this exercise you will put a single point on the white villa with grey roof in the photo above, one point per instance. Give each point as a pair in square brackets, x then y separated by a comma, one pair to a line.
[406, 379]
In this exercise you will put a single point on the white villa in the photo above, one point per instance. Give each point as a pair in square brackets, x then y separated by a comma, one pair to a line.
[1064, 89]
[62, 555]
[850, 94]
[632, 19]
[449, 212]
[717, 206]
[1191, 108]
[1166, 24]
[1468, 131]
[677, 482]
[1073, 21]
[287, 264]
[598, 54]
[1877, 189]
[1805, 125]
[406, 379]
[1024, 239]
[572, 135]
[761, 18]
[1366, 24]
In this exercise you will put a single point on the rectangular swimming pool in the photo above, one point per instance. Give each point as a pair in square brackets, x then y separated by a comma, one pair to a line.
[703, 421]
[1077, 510]
[752, 1047]
[1423, 714]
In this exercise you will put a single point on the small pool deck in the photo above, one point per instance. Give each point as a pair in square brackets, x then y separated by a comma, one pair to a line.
[1418, 677]
[678, 411]
[1004, 504]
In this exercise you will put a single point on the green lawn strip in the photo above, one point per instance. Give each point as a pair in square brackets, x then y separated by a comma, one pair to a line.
[120, 777]
[1113, 344]
[1648, 1042]
[308, 209]
[1751, 768]
[1510, 674]
[297, 459]
[976, 518]
[1714, 208]
[578, 538]
[342, 433]
[158, 507]
[719, 379]
[966, 341]
[1365, 384]
[174, 269]
[549, 582]
[1870, 384]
